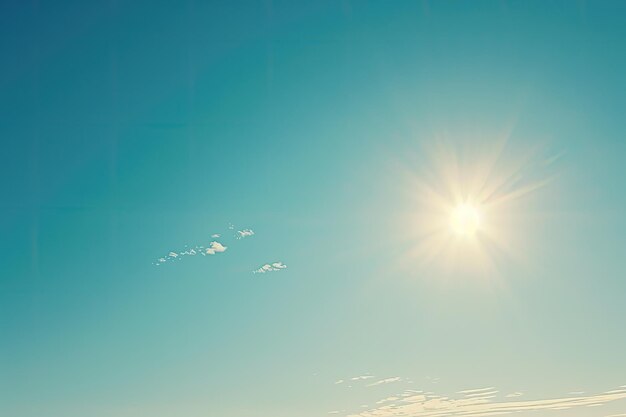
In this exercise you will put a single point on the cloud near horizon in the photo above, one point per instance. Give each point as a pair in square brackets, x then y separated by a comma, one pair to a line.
[478, 402]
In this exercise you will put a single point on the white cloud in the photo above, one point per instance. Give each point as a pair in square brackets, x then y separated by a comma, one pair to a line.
[244, 233]
[361, 377]
[215, 247]
[472, 405]
[215, 235]
[276, 266]
[476, 390]
[481, 394]
[385, 381]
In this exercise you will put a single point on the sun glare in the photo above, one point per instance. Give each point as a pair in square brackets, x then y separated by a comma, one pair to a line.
[465, 220]
[467, 213]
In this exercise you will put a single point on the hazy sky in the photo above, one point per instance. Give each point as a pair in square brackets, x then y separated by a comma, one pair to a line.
[298, 149]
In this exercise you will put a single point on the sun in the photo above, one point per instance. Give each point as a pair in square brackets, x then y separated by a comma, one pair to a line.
[465, 212]
[465, 220]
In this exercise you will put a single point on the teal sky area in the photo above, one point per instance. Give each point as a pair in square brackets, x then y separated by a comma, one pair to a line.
[305, 134]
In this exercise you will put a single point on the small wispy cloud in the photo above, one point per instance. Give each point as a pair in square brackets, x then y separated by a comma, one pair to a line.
[386, 400]
[385, 381]
[352, 379]
[213, 248]
[361, 377]
[482, 394]
[244, 233]
[475, 390]
[276, 266]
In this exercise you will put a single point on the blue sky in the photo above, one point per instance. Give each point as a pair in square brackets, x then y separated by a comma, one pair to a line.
[132, 129]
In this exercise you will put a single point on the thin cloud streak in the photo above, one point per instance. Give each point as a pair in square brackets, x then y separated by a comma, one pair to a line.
[361, 377]
[440, 406]
[472, 391]
[385, 381]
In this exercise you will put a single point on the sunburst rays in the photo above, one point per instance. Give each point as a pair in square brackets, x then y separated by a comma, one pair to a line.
[466, 193]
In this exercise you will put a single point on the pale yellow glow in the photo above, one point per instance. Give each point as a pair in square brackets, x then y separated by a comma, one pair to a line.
[465, 220]
[466, 192]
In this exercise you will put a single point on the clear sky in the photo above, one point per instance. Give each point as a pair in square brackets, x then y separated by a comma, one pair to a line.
[322, 141]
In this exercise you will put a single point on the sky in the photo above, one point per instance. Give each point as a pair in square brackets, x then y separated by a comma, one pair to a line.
[242, 209]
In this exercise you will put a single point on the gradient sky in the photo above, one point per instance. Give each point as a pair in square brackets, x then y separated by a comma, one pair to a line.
[132, 129]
